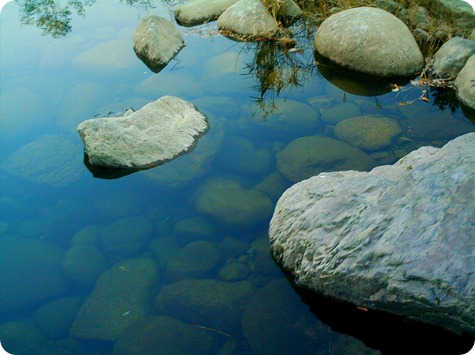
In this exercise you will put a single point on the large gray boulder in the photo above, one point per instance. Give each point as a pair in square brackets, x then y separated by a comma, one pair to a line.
[158, 132]
[371, 41]
[196, 12]
[452, 56]
[398, 239]
[465, 83]
[157, 41]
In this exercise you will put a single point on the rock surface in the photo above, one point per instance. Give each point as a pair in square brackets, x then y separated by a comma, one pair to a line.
[371, 41]
[368, 132]
[397, 239]
[465, 83]
[196, 12]
[160, 131]
[248, 19]
[166, 336]
[452, 56]
[308, 156]
[119, 298]
[157, 41]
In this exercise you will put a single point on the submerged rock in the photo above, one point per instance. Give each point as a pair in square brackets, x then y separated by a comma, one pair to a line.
[83, 264]
[160, 131]
[50, 160]
[55, 318]
[119, 298]
[166, 336]
[465, 83]
[215, 304]
[197, 12]
[371, 41]
[397, 239]
[227, 200]
[308, 156]
[368, 132]
[30, 271]
[157, 41]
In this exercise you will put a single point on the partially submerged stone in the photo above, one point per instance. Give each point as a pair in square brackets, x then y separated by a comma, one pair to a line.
[248, 19]
[465, 83]
[160, 131]
[449, 60]
[157, 41]
[371, 41]
[397, 239]
[196, 12]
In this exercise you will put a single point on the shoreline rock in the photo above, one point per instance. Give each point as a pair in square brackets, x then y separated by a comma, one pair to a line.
[397, 239]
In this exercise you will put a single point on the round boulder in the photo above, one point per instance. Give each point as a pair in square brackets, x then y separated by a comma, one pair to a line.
[308, 156]
[371, 41]
[368, 132]
[465, 83]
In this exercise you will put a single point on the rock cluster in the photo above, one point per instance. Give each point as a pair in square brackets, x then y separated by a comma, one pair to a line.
[397, 239]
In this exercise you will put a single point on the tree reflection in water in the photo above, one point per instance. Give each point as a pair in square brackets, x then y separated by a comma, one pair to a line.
[53, 17]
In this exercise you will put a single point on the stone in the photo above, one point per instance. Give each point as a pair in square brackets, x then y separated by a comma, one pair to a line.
[268, 309]
[371, 41]
[165, 336]
[248, 19]
[157, 41]
[226, 200]
[119, 298]
[308, 156]
[337, 113]
[54, 319]
[210, 303]
[289, 119]
[50, 160]
[234, 271]
[368, 132]
[107, 57]
[83, 264]
[195, 260]
[118, 204]
[32, 270]
[197, 12]
[193, 229]
[20, 337]
[397, 239]
[163, 250]
[126, 235]
[160, 131]
[451, 57]
[465, 83]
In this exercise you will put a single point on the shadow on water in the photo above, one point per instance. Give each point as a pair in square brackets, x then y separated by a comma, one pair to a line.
[388, 333]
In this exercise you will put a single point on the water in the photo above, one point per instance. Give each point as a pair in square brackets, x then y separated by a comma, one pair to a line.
[182, 249]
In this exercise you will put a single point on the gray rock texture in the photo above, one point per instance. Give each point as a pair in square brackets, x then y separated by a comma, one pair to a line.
[158, 132]
[465, 83]
[398, 239]
[196, 12]
[452, 56]
[248, 19]
[371, 41]
[157, 41]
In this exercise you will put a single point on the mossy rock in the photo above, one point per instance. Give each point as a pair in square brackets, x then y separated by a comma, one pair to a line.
[368, 132]
[309, 156]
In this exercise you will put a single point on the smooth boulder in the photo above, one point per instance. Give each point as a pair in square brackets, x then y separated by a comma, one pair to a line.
[197, 12]
[451, 57]
[465, 83]
[158, 132]
[396, 239]
[157, 41]
[370, 41]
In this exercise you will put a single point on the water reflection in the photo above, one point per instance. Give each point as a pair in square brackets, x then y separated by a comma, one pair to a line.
[54, 17]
